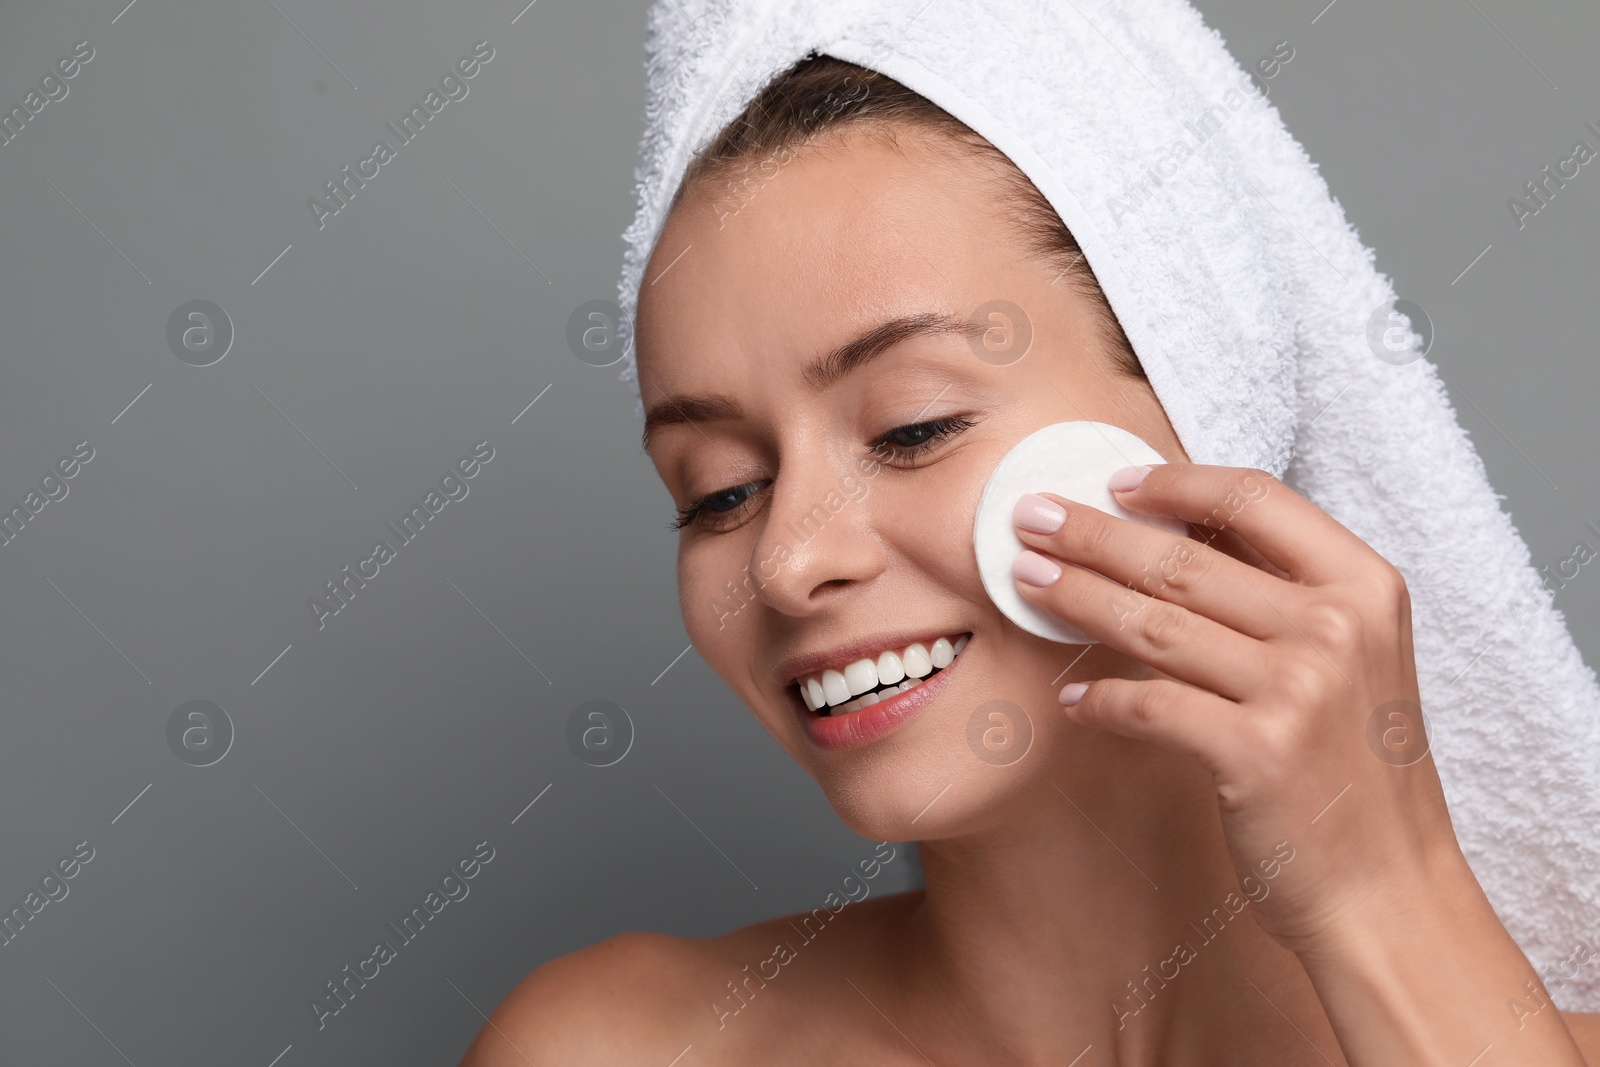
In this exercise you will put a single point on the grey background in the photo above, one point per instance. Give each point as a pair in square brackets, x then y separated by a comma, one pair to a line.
[378, 750]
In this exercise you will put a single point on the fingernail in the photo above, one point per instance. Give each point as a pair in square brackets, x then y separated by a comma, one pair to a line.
[1037, 515]
[1072, 692]
[1035, 569]
[1127, 478]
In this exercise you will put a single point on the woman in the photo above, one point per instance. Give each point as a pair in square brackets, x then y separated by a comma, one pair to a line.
[825, 414]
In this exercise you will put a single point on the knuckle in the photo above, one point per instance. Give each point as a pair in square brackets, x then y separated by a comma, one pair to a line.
[1164, 627]
[1145, 707]
[1333, 626]
[1274, 743]
[1088, 535]
[1186, 567]
[1391, 584]
[1299, 682]
[1125, 607]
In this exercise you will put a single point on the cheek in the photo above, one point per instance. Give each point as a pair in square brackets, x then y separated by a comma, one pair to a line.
[926, 516]
[716, 606]
[718, 598]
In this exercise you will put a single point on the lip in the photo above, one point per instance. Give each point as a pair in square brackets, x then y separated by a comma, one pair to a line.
[792, 670]
[857, 728]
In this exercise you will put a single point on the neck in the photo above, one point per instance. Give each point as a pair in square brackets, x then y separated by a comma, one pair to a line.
[1100, 907]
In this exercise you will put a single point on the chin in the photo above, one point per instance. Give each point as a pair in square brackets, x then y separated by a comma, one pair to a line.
[958, 762]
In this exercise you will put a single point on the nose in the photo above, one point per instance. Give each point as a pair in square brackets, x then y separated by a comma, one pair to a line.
[818, 545]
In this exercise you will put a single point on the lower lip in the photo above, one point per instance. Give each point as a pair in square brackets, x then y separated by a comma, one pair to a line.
[856, 728]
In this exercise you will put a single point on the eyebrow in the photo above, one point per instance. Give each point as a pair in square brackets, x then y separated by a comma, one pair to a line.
[819, 374]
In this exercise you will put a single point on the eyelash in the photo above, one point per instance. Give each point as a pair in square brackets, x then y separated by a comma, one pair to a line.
[937, 430]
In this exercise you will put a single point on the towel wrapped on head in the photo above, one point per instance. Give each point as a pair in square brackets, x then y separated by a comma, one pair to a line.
[1253, 307]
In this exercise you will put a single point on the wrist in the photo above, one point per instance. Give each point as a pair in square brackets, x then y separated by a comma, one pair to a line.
[1425, 974]
[1433, 895]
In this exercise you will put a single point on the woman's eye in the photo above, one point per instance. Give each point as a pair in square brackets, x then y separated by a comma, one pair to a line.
[905, 444]
[724, 500]
[908, 442]
[720, 503]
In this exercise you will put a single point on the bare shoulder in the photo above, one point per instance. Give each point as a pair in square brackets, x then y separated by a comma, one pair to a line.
[1585, 1027]
[625, 997]
[649, 997]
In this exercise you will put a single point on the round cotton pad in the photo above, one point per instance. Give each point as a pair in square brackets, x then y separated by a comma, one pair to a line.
[1072, 460]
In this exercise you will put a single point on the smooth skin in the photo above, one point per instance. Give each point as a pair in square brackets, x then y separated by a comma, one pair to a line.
[1222, 734]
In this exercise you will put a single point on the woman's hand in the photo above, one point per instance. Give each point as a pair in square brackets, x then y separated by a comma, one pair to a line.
[1281, 644]
[1274, 675]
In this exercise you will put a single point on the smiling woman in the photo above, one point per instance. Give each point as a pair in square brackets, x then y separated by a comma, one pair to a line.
[826, 328]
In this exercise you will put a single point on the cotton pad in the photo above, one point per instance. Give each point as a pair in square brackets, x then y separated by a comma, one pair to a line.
[1072, 460]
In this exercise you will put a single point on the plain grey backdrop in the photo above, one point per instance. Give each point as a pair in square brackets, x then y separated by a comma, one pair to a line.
[370, 355]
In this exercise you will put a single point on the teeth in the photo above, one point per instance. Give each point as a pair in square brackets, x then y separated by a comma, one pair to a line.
[838, 692]
[890, 669]
[861, 676]
[834, 687]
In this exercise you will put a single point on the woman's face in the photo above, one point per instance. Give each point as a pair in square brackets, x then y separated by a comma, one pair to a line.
[837, 482]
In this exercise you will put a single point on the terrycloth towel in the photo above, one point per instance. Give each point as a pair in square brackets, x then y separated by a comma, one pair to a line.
[1248, 298]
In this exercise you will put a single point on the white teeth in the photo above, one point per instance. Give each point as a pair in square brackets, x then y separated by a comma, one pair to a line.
[866, 700]
[861, 676]
[838, 692]
[890, 669]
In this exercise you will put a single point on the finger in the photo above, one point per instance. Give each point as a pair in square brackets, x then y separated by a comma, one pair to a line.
[1230, 543]
[1290, 531]
[1151, 561]
[1158, 710]
[1172, 639]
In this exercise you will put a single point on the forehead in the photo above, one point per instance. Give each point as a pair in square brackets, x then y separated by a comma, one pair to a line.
[777, 257]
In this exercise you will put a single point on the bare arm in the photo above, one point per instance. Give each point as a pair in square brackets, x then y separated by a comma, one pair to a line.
[1427, 974]
[1286, 646]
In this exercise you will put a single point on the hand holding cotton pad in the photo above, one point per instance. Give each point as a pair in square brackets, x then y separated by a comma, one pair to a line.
[1072, 460]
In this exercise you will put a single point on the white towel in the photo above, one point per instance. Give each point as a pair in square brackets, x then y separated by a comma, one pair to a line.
[1247, 296]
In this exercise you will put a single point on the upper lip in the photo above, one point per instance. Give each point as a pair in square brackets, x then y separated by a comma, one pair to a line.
[793, 668]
